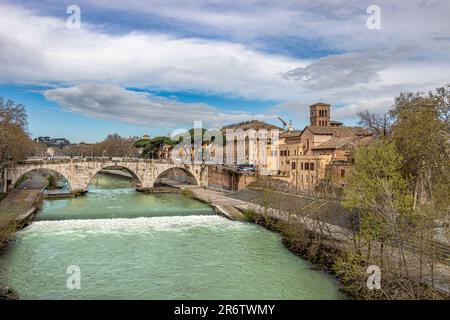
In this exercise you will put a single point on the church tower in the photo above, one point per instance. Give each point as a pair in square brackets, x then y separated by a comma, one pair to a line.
[320, 114]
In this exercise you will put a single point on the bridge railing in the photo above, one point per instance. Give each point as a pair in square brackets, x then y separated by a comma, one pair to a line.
[79, 159]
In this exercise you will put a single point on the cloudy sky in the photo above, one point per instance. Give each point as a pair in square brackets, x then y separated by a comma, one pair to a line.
[136, 67]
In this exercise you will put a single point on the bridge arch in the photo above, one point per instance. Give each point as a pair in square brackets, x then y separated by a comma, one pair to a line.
[130, 171]
[19, 175]
[174, 174]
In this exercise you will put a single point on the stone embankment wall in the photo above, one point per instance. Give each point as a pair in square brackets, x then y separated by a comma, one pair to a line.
[222, 178]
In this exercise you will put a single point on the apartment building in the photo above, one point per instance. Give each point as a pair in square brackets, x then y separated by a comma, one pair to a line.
[253, 142]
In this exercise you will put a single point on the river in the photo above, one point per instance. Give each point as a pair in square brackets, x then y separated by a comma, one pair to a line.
[130, 245]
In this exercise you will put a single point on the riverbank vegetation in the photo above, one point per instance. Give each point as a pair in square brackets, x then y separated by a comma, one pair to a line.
[8, 293]
[399, 191]
[187, 193]
[15, 143]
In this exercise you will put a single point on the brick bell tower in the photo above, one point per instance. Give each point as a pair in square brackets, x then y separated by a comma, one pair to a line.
[319, 114]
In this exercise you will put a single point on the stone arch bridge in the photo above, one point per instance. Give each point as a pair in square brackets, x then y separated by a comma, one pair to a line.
[80, 172]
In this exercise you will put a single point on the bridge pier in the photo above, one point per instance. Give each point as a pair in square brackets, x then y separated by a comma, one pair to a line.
[145, 190]
[78, 192]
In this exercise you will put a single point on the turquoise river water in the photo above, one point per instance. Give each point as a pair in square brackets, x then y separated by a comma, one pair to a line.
[130, 245]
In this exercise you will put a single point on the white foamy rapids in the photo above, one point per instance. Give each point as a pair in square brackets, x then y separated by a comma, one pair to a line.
[174, 223]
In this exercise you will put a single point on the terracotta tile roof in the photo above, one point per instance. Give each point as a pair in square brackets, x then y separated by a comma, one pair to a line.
[338, 132]
[290, 134]
[253, 124]
[344, 142]
[334, 143]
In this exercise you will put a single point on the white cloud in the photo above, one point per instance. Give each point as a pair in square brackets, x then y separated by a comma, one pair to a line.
[339, 23]
[338, 71]
[43, 49]
[410, 52]
[141, 108]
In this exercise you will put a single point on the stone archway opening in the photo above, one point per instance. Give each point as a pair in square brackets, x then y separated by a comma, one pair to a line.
[175, 176]
[115, 177]
[42, 178]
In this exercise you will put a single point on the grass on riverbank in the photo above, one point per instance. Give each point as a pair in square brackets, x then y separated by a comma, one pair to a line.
[299, 240]
[349, 267]
[187, 193]
[8, 293]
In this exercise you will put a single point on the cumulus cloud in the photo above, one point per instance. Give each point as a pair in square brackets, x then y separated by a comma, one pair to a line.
[140, 108]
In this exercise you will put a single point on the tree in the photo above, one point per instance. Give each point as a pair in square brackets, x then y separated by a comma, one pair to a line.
[141, 143]
[442, 100]
[154, 146]
[113, 145]
[377, 189]
[116, 146]
[15, 144]
[12, 113]
[379, 124]
[399, 186]
[420, 135]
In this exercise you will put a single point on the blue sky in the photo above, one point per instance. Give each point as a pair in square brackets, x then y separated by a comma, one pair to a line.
[152, 67]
